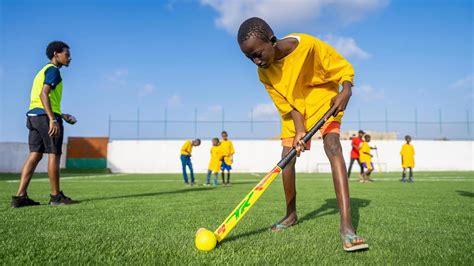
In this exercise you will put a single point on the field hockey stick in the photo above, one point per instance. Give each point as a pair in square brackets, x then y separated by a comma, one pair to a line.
[234, 217]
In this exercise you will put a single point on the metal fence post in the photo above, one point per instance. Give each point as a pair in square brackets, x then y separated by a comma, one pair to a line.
[195, 122]
[166, 121]
[223, 117]
[358, 114]
[138, 123]
[467, 123]
[416, 122]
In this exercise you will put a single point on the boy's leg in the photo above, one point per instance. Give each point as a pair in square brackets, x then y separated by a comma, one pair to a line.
[228, 176]
[190, 165]
[360, 165]
[404, 175]
[223, 176]
[183, 164]
[208, 177]
[288, 177]
[333, 149]
[350, 167]
[27, 172]
[53, 173]
[216, 176]
[410, 174]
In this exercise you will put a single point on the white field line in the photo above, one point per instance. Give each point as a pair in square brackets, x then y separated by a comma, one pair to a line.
[68, 178]
[256, 180]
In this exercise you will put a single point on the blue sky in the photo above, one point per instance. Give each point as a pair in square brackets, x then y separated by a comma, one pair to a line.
[182, 54]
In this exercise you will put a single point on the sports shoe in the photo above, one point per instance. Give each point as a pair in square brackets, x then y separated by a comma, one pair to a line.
[23, 201]
[61, 199]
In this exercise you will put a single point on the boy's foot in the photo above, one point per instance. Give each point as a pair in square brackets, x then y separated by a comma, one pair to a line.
[61, 199]
[285, 223]
[411, 180]
[353, 242]
[228, 184]
[193, 184]
[207, 184]
[403, 180]
[23, 201]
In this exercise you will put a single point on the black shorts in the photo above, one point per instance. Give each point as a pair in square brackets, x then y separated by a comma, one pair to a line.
[38, 138]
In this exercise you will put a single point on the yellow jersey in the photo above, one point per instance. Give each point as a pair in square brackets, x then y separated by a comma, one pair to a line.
[227, 151]
[216, 156]
[363, 156]
[306, 80]
[408, 155]
[187, 148]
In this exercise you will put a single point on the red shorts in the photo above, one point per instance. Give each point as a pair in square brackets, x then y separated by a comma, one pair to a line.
[332, 127]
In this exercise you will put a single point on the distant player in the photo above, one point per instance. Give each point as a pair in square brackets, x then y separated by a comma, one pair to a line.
[303, 76]
[215, 162]
[228, 152]
[45, 123]
[366, 159]
[186, 151]
[356, 142]
[408, 159]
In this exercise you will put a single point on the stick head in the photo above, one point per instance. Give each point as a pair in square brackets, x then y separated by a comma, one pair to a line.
[205, 240]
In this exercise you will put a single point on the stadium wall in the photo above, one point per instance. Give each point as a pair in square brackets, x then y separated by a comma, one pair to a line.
[14, 154]
[161, 156]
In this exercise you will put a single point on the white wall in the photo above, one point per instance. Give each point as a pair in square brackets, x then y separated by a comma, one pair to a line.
[261, 155]
[14, 154]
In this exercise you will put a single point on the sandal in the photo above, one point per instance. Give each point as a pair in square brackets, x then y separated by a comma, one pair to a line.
[277, 227]
[352, 242]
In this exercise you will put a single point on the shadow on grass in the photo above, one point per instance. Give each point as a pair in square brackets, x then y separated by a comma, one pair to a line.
[150, 194]
[465, 193]
[328, 208]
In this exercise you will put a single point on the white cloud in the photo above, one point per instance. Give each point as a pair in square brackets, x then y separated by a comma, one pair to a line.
[146, 90]
[117, 78]
[346, 46]
[368, 93]
[215, 108]
[466, 82]
[174, 101]
[265, 111]
[283, 12]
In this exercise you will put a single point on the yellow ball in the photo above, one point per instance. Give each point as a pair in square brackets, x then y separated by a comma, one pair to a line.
[205, 240]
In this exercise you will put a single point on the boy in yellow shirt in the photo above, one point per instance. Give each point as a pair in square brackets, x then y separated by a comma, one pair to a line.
[215, 162]
[408, 159]
[302, 75]
[186, 151]
[228, 152]
[366, 159]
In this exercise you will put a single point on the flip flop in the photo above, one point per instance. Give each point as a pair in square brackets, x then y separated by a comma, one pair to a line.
[277, 227]
[349, 243]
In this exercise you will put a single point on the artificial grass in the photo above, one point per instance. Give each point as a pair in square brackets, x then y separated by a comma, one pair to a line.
[152, 219]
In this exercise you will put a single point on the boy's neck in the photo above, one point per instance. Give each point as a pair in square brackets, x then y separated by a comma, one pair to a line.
[284, 47]
[54, 62]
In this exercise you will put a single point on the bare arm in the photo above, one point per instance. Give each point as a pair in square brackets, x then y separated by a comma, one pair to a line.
[298, 121]
[53, 124]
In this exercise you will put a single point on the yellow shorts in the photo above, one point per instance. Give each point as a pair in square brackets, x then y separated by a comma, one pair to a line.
[331, 127]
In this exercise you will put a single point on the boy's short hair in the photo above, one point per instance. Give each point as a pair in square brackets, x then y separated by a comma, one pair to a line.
[198, 141]
[215, 139]
[55, 46]
[366, 137]
[254, 27]
[407, 137]
[224, 132]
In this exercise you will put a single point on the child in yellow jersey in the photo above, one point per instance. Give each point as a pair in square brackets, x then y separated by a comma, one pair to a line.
[186, 151]
[408, 159]
[215, 162]
[228, 153]
[366, 159]
[303, 76]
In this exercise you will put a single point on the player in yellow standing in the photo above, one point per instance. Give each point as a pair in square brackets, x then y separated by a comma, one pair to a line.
[303, 76]
[408, 159]
[228, 152]
[366, 159]
[186, 151]
[215, 162]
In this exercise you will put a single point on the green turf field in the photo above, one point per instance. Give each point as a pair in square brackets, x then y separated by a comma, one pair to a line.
[151, 219]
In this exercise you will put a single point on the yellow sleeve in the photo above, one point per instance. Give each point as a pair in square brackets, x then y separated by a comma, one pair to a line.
[283, 106]
[187, 148]
[335, 66]
[232, 151]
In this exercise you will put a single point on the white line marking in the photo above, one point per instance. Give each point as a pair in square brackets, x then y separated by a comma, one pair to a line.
[68, 178]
